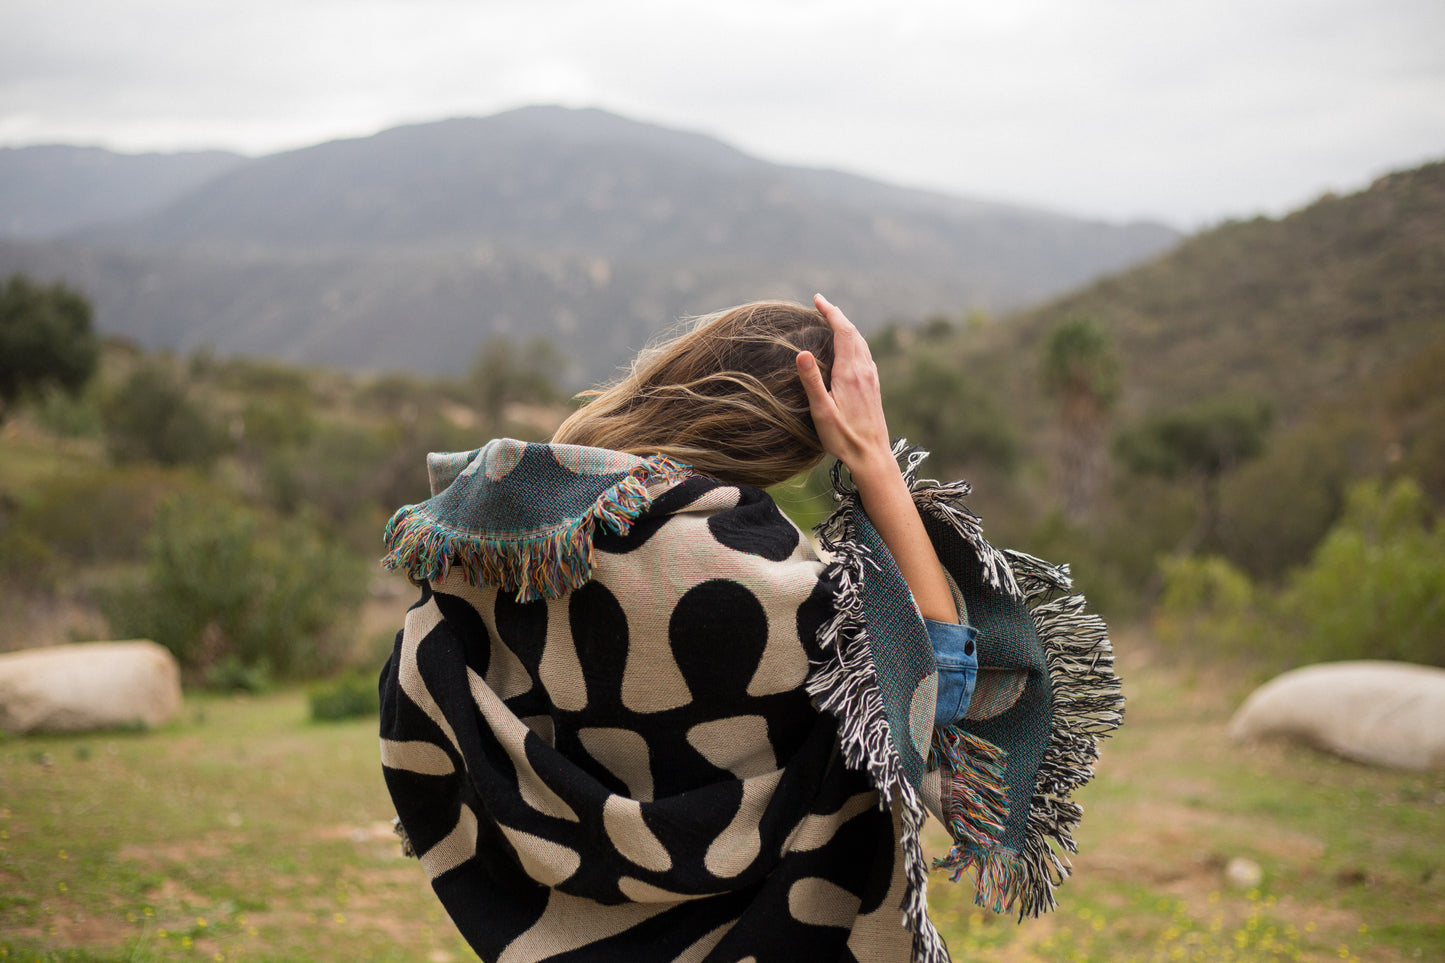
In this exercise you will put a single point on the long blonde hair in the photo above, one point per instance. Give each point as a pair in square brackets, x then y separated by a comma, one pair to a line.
[724, 396]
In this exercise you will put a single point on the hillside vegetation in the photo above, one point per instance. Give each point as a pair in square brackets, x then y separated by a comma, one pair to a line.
[1222, 438]
[232, 510]
[1328, 324]
[1332, 302]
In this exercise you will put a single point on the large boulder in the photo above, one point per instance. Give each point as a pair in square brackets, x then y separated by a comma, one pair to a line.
[88, 685]
[1380, 713]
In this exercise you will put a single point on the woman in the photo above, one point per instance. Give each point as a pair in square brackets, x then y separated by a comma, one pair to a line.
[635, 717]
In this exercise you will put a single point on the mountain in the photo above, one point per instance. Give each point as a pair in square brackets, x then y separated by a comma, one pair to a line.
[408, 248]
[50, 191]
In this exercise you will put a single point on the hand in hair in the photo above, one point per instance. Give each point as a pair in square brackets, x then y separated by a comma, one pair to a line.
[852, 427]
[849, 416]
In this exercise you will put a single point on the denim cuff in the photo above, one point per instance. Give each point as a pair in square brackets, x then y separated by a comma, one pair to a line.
[957, 658]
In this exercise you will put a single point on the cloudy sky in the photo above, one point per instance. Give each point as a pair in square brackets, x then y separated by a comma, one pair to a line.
[1188, 111]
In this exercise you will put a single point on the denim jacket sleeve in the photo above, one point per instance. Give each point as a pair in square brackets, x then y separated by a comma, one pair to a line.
[957, 658]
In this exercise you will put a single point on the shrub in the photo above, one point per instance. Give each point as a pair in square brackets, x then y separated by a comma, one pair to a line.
[1277, 509]
[46, 339]
[952, 415]
[347, 696]
[153, 418]
[1375, 589]
[69, 414]
[236, 595]
[78, 519]
[267, 425]
[1206, 606]
[1376, 585]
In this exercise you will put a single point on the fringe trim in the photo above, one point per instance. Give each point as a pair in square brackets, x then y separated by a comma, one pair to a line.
[944, 501]
[928, 945]
[1088, 705]
[543, 564]
[407, 849]
[975, 798]
[845, 685]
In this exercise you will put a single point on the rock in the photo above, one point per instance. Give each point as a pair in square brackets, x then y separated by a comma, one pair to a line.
[88, 685]
[1379, 713]
[1243, 873]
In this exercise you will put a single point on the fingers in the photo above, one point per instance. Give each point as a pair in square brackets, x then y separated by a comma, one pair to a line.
[848, 343]
[832, 313]
[848, 414]
[812, 378]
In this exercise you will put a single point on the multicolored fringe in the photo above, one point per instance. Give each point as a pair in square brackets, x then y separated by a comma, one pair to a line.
[846, 686]
[975, 798]
[545, 563]
[1001, 876]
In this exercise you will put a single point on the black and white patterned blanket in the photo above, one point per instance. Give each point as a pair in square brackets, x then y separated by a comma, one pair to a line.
[600, 724]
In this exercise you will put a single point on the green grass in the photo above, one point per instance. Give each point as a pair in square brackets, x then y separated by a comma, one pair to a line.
[245, 832]
[1353, 858]
[241, 832]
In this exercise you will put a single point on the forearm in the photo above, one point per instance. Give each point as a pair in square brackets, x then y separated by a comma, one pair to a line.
[851, 426]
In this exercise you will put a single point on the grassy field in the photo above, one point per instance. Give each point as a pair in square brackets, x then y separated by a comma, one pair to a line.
[242, 831]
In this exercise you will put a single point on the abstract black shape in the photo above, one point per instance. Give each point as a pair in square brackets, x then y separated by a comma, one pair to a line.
[756, 527]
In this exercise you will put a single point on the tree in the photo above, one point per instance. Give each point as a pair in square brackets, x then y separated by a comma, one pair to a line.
[504, 374]
[1202, 442]
[45, 339]
[935, 404]
[1080, 371]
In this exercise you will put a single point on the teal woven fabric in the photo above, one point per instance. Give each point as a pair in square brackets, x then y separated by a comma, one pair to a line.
[1046, 742]
[521, 516]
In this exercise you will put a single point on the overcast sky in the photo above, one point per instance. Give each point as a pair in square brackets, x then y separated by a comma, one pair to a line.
[1187, 112]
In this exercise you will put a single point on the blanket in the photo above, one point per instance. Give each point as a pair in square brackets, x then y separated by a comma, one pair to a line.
[601, 726]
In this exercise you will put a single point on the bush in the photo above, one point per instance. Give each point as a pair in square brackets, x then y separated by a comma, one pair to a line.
[1112, 553]
[237, 596]
[69, 414]
[350, 474]
[1207, 606]
[1376, 585]
[347, 696]
[1277, 509]
[1375, 589]
[78, 519]
[46, 339]
[952, 415]
[153, 418]
[25, 559]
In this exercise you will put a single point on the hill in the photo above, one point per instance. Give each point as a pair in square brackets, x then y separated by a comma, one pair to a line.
[50, 191]
[1333, 317]
[1320, 305]
[408, 248]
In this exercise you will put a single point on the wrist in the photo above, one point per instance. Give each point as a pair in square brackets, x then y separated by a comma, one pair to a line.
[879, 468]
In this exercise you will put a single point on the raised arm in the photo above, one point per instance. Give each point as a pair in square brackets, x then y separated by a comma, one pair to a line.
[851, 425]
